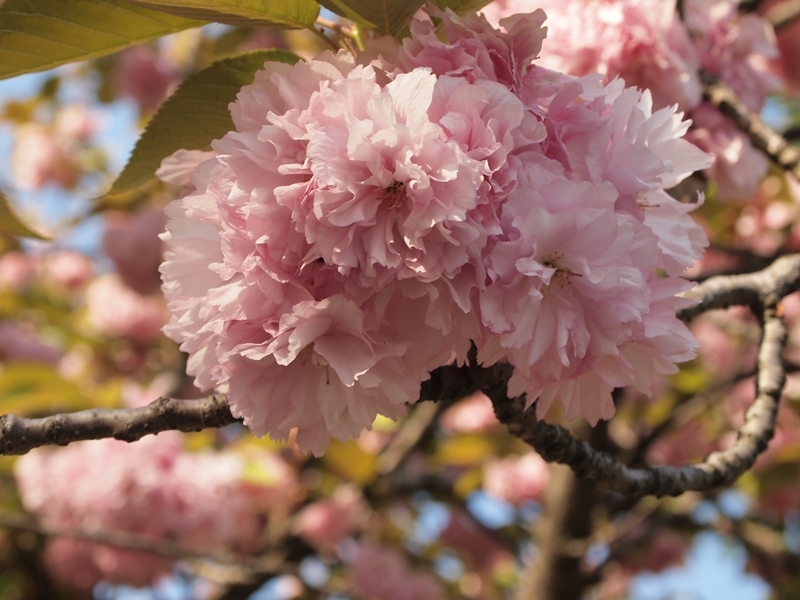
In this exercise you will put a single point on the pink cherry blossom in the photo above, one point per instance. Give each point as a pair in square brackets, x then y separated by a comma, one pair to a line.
[17, 270]
[738, 168]
[734, 47]
[472, 415]
[649, 46]
[132, 242]
[68, 268]
[326, 522]
[19, 342]
[74, 122]
[40, 158]
[116, 310]
[371, 218]
[516, 479]
[143, 75]
[379, 573]
[482, 550]
[152, 489]
[641, 41]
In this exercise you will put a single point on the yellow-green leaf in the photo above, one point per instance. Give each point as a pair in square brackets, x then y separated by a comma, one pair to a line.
[350, 461]
[10, 223]
[297, 14]
[464, 450]
[469, 481]
[195, 114]
[36, 35]
[33, 388]
[386, 16]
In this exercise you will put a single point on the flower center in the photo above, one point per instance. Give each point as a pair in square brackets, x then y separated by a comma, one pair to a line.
[562, 276]
[392, 195]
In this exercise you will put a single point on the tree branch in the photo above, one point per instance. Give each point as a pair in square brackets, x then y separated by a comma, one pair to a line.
[19, 436]
[763, 137]
[555, 443]
[762, 288]
[761, 291]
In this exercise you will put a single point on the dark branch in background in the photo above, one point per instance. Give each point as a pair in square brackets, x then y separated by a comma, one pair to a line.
[761, 291]
[750, 5]
[228, 568]
[763, 137]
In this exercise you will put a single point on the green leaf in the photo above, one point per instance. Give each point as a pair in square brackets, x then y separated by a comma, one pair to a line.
[386, 16]
[195, 114]
[298, 14]
[461, 7]
[36, 35]
[10, 223]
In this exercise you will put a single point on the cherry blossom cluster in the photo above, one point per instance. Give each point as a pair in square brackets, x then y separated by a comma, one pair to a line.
[51, 154]
[650, 45]
[371, 218]
[155, 490]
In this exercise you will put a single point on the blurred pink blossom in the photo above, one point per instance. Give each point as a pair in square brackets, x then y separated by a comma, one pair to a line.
[516, 479]
[647, 44]
[80, 564]
[17, 270]
[738, 167]
[74, 122]
[153, 489]
[474, 414]
[642, 41]
[20, 343]
[379, 573]
[142, 74]
[117, 311]
[131, 241]
[690, 442]
[326, 522]
[68, 268]
[482, 549]
[41, 158]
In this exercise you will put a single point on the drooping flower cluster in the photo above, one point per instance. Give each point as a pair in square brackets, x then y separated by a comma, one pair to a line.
[650, 46]
[153, 489]
[367, 222]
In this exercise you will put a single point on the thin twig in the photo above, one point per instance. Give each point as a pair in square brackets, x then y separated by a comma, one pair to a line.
[409, 436]
[228, 567]
[19, 435]
[763, 137]
[783, 14]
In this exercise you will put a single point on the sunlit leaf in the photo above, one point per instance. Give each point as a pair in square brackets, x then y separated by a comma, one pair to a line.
[690, 380]
[10, 223]
[468, 482]
[36, 35]
[258, 473]
[386, 16]
[195, 114]
[287, 13]
[464, 450]
[33, 388]
[350, 461]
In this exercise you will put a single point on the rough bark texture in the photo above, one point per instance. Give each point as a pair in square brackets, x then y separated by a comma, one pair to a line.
[761, 291]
